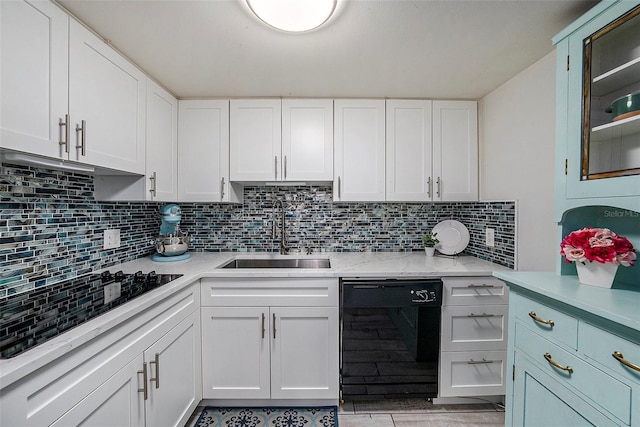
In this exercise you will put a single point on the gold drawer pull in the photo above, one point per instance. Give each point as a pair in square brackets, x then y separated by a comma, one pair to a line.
[557, 365]
[620, 358]
[535, 317]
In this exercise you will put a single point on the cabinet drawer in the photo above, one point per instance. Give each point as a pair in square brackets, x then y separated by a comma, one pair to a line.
[559, 326]
[600, 346]
[474, 328]
[474, 373]
[474, 291]
[604, 391]
[265, 291]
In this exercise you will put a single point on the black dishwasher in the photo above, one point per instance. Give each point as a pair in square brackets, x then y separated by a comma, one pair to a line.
[389, 338]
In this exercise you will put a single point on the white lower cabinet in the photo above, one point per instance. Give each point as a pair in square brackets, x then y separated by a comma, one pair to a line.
[473, 337]
[146, 371]
[253, 351]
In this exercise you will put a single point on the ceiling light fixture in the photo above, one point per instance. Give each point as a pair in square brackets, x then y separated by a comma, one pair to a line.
[293, 15]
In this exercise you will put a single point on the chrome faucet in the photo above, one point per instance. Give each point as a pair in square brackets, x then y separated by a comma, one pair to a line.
[284, 246]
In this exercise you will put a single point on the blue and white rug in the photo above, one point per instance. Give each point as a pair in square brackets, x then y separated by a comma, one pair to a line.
[324, 416]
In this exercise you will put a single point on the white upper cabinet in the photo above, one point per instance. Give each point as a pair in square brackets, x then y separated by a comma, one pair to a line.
[359, 135]
[255, 133]
[33, 77]
[162, 144]
[203, 152]
[281, 140]
[307, 139]
[107, 99]
[455, 150]
[409, 151]
[66, 94]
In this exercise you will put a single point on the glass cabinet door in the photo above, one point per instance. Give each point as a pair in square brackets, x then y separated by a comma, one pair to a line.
[611, 100]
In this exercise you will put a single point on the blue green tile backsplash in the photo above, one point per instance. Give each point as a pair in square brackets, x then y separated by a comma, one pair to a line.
[51, 227]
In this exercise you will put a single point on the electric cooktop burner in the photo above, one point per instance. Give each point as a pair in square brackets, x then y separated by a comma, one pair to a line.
[31, 318]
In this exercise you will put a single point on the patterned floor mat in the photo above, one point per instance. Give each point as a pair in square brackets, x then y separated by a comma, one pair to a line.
[325, 416]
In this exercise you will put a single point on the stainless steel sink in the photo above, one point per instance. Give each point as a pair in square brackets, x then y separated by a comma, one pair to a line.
[278, 263]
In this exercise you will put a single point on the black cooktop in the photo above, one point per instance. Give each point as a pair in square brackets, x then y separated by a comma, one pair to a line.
[31, 318]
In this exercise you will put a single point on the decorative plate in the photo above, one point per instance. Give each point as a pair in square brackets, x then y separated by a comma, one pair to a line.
[453, 236]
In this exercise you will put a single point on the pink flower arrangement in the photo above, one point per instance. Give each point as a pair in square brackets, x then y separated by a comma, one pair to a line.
[597, 244]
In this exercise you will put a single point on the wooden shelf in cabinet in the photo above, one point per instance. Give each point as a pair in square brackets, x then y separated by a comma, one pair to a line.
[616, 129]
[617, 78]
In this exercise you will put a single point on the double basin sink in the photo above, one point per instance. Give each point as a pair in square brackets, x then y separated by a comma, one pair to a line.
[278, 263]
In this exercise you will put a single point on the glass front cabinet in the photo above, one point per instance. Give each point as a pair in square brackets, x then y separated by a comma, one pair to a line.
[598, 108]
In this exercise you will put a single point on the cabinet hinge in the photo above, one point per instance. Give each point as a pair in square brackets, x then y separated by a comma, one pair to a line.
[513, 373]
[567, 62]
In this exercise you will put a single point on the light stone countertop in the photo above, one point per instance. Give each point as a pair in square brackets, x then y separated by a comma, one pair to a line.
[348, 265]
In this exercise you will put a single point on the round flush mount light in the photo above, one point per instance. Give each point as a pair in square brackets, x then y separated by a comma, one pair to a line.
[293, 15]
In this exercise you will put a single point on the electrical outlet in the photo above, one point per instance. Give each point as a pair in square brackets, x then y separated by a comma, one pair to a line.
[111, 238]
[490, 237]
[112, 291]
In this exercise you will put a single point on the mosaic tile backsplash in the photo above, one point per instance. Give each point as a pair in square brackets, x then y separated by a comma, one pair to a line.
[51, 227]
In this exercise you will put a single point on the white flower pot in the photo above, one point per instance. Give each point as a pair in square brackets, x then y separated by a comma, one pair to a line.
[596, 273]
[430, 251]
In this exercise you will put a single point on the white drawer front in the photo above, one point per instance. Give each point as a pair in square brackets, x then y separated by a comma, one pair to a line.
[475, 373]
[268, 291]
[474, 328]
[474, 291]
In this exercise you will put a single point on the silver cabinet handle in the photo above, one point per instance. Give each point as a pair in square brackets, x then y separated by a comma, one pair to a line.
[83, 130]
[156, 363]
[429, 187]
[274, 326]
[479, 362]
[67, 131]
[438, 187]
[620, 358]
[285, 167]
[152, 190]
[480, 286]
[263, 329]
[144, 390]
[339, 189]
[222, 188]
[481, 315]
[276, 167]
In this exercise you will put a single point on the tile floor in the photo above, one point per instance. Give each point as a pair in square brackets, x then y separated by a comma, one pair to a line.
[418, 413]
[411, 413]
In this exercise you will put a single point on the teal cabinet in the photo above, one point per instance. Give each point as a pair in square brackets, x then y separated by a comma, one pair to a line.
[573, 353]
[598, 153]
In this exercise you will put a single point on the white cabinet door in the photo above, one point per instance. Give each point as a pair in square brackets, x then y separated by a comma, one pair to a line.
[409, 151]
[174, 374]
[304, 359]
[162, 144]
[107, 99]
[203, 151]
[117, 402]
[33, 77]
[255, 133]
[235, 352]
[359, 136]
[307, 140]
[455, 150]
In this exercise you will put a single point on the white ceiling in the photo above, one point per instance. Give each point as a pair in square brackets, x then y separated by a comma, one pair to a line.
[370, 48]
